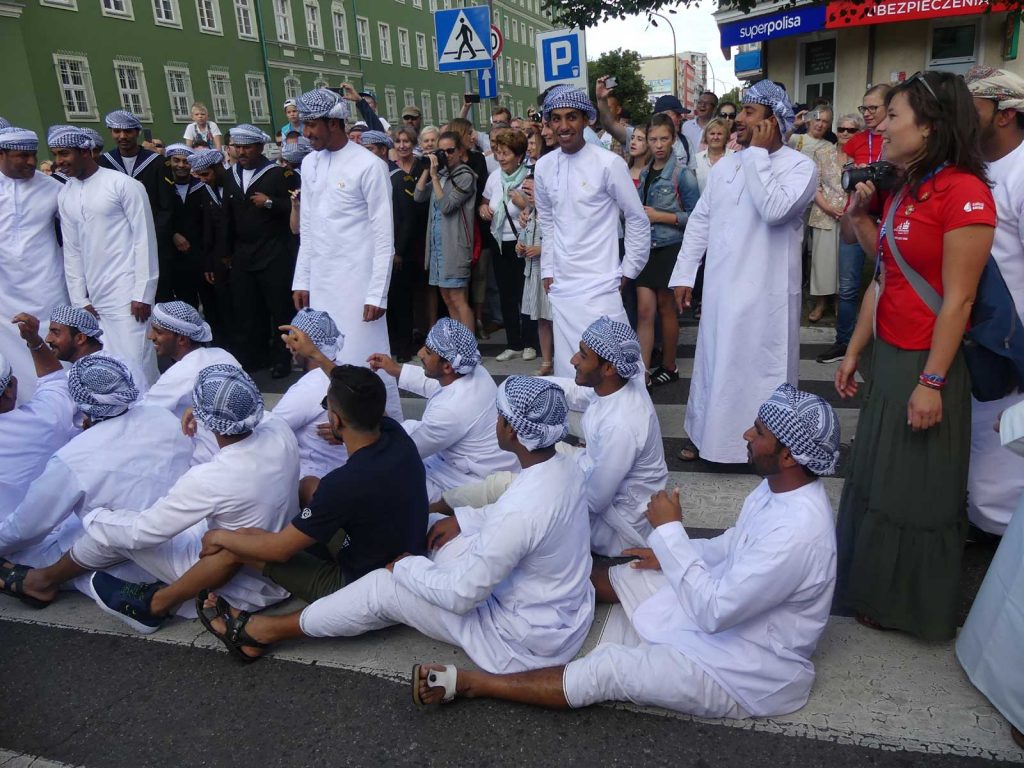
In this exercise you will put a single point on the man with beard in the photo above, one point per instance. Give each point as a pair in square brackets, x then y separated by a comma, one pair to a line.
[207, 165]
[186, 226]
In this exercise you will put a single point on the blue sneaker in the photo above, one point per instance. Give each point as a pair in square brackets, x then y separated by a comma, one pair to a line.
[127, 601]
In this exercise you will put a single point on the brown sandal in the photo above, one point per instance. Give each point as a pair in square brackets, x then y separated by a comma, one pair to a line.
[689, 452]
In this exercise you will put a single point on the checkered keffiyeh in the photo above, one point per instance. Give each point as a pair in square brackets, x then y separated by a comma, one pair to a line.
[245, 134]
[1000, 85]
[568, 97]
[773, 96]
[205, 159]
[321, 103]
[6, 374]
[226, 400]
[294, 152]
[101, 386]
[97, 140]
[18, 140]
[122, 120]
[77, 318]
[376, 137]
[536, 410]
[805, 424]
[68, 137]
[321, 330]
[4, 123]
[178, 150]
[615, 342]
[182, 319]
[455, 343]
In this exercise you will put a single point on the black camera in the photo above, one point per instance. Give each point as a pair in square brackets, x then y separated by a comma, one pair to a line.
[882, 174]
[442, 157]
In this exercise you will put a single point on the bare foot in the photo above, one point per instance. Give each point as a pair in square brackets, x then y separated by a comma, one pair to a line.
[435, 694]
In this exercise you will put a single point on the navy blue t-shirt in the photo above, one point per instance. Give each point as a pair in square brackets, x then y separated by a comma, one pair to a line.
[379, 498]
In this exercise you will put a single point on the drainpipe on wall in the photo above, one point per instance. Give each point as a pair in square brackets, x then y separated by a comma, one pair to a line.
[266, 60]
[362, 74]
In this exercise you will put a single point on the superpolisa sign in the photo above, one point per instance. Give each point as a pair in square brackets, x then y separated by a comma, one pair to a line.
[792, 22]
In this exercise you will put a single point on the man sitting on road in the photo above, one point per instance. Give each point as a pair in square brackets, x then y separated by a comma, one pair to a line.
[721, 627]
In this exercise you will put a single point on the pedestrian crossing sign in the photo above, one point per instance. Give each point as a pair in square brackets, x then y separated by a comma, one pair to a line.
[463, 39]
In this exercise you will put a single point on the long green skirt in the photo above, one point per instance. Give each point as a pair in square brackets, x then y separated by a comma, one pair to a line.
[902, 517]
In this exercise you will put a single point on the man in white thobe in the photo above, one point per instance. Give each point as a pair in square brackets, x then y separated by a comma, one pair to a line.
[510, 582]
[346, 198]
[581, 190]
[995, 482]
[129, 456]
[110, 254]
[455, 438]
[749, 221]
[31, 261]
[721, 627]
[177, 331]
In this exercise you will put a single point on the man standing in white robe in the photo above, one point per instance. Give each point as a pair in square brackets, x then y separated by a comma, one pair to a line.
[455, 438]
[511, 588]
[31, 261]
[178, 331]
[750, 223]
[995, 482]
[110, 253]
[721, 627]
[346, 198]
[581, 190]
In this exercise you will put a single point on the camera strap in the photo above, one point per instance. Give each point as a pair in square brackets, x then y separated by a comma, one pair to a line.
[922, 287]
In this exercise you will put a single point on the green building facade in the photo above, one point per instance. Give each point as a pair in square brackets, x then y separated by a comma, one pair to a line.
[72, 61]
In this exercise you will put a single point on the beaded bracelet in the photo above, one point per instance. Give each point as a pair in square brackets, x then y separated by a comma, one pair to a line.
[931, 380]
[37, 347]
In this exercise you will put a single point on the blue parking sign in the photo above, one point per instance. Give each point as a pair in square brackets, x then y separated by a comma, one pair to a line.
[561, 58]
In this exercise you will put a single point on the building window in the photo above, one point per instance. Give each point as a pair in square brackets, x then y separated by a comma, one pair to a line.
[410, 98]
[433, 44]
[179, 89]
[515, 71]
[404, 54]
[515, 32]
[256, 90]
[165, 13]
[391, 104]
[120, 8]
[384, 36]
[501, 69]
[442, 108]
[508, 69]
[421, 50]
[531, 37]
[363, 37]
[504, 21]
[75, 83]
[428, 108]
[954, 47]
[283, 21]
[131, 87]
[417, 3]
[220, 92]
[433, 5]
[68, 5]
[243, 19]
[456, 104]
[292, 87]
[314, 33]
[533, 75]
[339, 23]
[818, 74]
[209, 16]
[320, 83]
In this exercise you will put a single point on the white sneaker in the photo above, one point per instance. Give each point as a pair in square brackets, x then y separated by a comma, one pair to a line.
[510, 354]
[529, 353]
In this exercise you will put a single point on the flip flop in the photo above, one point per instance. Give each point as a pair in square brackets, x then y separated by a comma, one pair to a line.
[13, 576]
[234, 637]
[437, 678]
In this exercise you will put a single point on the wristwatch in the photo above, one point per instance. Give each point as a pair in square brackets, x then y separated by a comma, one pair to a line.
[268, 203]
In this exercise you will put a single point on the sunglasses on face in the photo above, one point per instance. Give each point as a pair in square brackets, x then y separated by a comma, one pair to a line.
[727, 115]
[410, 117]
[842, 129]
[158, 146]
[450, 151]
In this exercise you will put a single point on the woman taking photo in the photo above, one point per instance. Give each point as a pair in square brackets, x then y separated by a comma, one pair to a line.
[902, 518]
[716, 137]
[451, 190]
[639, 154]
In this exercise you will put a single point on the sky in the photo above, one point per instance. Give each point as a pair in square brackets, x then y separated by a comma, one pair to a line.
[695, 31]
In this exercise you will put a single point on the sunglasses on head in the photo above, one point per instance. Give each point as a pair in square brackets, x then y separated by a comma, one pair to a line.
[919, 77]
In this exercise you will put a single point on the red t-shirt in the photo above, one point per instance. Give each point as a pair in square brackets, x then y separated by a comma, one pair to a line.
[864, 147]
[950, 200]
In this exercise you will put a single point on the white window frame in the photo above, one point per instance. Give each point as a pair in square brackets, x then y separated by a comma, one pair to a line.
[248, 17]
[515, 32]
[391, 104]
[340, 30]
[126, 12]
[67, 5]
[141, 108]
[533, 75]
[456, 103]
[532, 37]
[283, 22]
[384, 41]
[223, 104]
[417, 3]
[432, 6]
[292, 87]
[421, 50]
[174, 13]
[314, 26]
[185, 95]
[803, 80]
[500, 66]
[508, 69]
[364, 43]
[427, 107]
[320, 82]
[404, 48]
[515, 71]
[959, 64]
[433, 48]
[410, 98]
[81, 62]
[256, 94]
[442, 108]
[215, 28]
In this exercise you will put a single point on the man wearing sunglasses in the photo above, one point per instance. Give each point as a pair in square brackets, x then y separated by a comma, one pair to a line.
[412, 117]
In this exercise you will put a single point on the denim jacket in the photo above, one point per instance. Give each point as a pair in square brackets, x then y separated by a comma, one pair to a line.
[675, 190]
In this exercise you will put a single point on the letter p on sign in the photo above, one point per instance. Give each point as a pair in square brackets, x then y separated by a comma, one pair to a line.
[561, 58]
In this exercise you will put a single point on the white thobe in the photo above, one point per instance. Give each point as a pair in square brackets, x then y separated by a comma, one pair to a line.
[31, 265]
[579, 200]
[750, 222]
[995, 482]
[301, 408]
[126, 462]
[110, 258]
[253, 483]
[173, 391]
[513, 590]
[30, 435]
[989, 644]
[624, 462]
[456, 437]
[346, 198]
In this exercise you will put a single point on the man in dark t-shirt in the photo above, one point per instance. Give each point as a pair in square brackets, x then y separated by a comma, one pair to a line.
[349, 518]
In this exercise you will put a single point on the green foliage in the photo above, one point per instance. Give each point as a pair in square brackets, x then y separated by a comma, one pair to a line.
[631, 90]
[733, 95]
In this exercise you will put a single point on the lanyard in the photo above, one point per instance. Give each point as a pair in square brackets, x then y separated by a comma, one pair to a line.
[896, 203]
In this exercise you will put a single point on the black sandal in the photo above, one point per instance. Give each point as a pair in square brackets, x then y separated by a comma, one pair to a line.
[688, 452]
[234, 637]
[663, 375]
[13, 576]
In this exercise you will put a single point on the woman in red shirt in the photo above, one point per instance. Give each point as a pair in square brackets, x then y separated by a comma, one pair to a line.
[902, 518]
